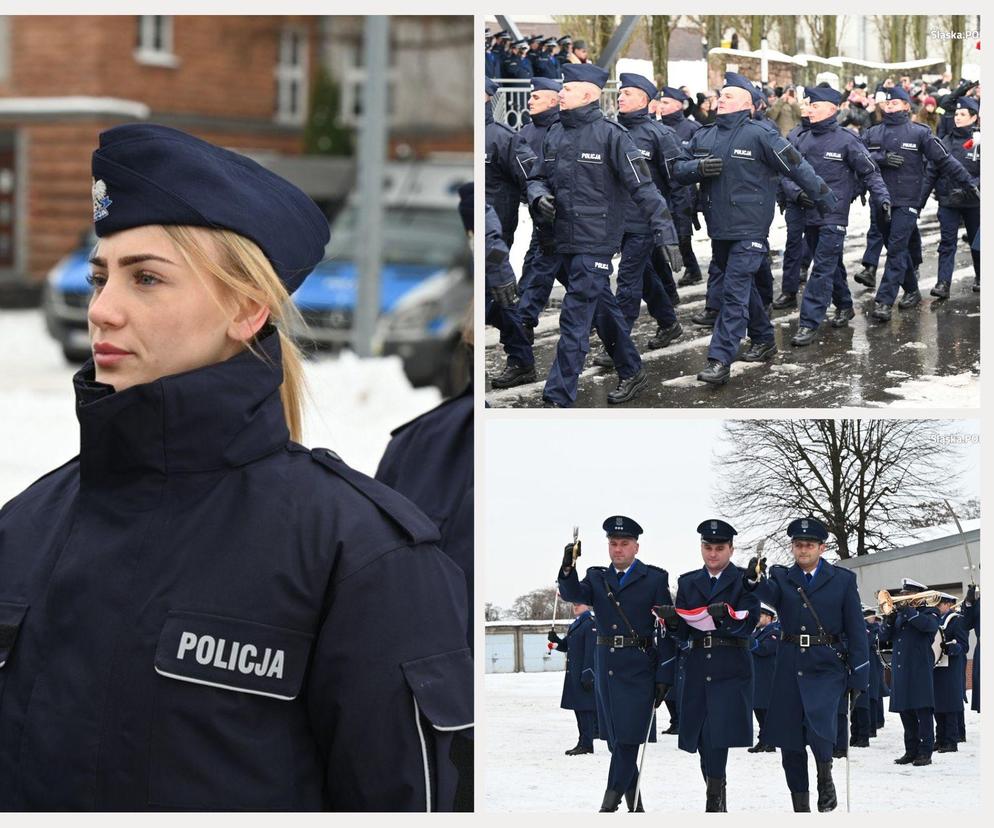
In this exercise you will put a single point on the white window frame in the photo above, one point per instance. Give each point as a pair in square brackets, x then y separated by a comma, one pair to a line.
[290, 74]
[354, 79]
[149, 53]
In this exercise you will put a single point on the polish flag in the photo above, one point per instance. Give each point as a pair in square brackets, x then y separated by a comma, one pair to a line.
[700, 620]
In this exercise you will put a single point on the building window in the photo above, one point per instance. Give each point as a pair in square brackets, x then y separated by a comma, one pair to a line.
[354, 80]
[155, 40]
[291, 78]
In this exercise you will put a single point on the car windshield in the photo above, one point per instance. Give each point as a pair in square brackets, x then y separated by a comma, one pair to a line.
[411, 235]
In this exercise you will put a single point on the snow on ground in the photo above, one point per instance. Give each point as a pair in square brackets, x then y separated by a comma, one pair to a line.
[352, 406]
[929, 391]
[526, 769]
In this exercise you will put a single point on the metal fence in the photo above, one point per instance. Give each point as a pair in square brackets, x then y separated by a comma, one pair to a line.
[510, 104]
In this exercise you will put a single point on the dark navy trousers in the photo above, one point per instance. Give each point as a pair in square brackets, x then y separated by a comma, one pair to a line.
[742, 307]
[898, 238]
[713, 760]
[949, 223]
[638, 280]
[919, 731]
[512, 335]
[586, 724]
[796, 254]
[827, 282]
[623, 773]
[795, 762]
[538, 274]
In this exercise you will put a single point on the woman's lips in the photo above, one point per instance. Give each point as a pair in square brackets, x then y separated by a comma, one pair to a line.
[107, 356]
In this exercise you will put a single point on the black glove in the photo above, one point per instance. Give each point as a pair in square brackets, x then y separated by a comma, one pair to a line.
[710, 167]
[668, 256]
[893, 159]
[862, 199]
[568, 554]
[668, 615]
[546, 206]
[885, 212]
[976, 193]
[805, 200]
[587, 684]
[553, 638]
[751, 568]
[944, 647]
[971, 595]
[661, 691]
[505, 295]
[696, 221]
[718, 611]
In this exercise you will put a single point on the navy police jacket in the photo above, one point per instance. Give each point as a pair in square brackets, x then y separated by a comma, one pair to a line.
[841, 160]
[955, 143]
[911, 631]
[199, 614]
[533, 134]
[739, 203]
[717, 683]
[682, 125]
[877, 665]
[497, 269]
[579, 645]
[505, 177]
[763, 645]
[919, 146]
[592, 166]
[949, 677]
[625, 676]
[809, 681]
[971, 618]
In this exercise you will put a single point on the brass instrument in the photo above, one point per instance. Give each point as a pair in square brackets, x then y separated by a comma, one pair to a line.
[888, 603]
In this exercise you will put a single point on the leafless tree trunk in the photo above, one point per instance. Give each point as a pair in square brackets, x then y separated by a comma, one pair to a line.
[660, 28]
[919, 36]
[956, 50]
[787, 24]
[536, 605]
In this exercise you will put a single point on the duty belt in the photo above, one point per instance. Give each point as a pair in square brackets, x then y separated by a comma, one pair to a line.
[623, 641]
[710, 641]
[804, 641]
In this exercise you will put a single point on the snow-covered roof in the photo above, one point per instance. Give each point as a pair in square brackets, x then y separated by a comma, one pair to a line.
[518, 622]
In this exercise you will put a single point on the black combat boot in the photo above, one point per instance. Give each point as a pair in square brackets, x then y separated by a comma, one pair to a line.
[603, 360]
[706, 318]
[861, 742]
[881, 312]
[842, 317]
[922, 759]
[579, 750]
[785, 300]
[715, 803]
[689, 279]
[630, 802]
[759, 747]
[664, 336]
[759, 352]
[514, 375]
[907, 759]
[976, 284]
[802, 802]
[941, 290]
[867, 276]
[628, 388]
[804, 336]
[717, 373]
[612, 799]
[826, 787]
[910, 299]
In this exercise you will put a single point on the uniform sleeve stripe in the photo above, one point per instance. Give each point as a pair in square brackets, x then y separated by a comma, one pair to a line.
[861, 666]
[667, 661]
[634, 171]
[783, 149]
[424, 756]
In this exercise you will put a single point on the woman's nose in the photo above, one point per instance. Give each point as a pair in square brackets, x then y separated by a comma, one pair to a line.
[107, 306]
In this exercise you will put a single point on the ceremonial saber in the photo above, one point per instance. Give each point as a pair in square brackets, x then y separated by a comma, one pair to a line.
[966, 546]
[645, 744]
[759, 557]
[555, 602]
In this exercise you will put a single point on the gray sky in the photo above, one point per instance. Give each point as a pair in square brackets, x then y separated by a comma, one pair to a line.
[542, 477]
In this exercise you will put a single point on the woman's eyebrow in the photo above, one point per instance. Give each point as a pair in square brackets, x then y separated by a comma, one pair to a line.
[126, 261]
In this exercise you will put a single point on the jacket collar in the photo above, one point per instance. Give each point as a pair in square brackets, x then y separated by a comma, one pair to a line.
[587, 114]
[827, 125]
[730, 120]
[630, 119]
[547, 118]
[823, 574]
[635, 572]
[896, 118]
[674, 118]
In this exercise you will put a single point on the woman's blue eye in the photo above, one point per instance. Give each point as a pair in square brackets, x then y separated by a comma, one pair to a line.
[146, 279]
[95, 280]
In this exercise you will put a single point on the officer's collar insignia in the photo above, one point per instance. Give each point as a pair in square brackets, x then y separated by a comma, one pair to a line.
[101, 201]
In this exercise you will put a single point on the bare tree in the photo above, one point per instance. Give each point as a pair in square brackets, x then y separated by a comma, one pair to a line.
[661, 26]
[935, 513]
[787, 28]
[491, 612]
[826, 32]
[535, 605]
[919, 36]
[865, 479]
[893, 30]
[957, 24]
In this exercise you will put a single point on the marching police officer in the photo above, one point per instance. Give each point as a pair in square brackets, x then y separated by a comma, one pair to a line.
[633, 670]
[971, 618]
[579, 183]
[818, 605]
[912, 630]
[505, 173]
[901, 148]
[738, 162]
[578, 683]
[796, 253]
[839, 158]
[763, 645]
[715, 704]
[955, 203]
[949, 676]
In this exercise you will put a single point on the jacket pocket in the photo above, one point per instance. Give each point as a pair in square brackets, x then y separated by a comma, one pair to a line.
[589, 225]
[11, 619]
[442, 705]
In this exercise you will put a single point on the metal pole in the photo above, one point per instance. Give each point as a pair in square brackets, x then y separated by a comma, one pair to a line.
[371, 158]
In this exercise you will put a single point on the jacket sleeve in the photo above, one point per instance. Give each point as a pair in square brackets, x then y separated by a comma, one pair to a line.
[686, 170]
[633, 171]
[936, 153]
[537, 182]
[869, 175]
[928, 183]
[784, 158]
[518, 161]
[767, 590]
[589, 641]
[768, 646]
[957, 637]
[926, 622]
[390, 691]
[497, 268]
[871, 139]
[681, 201]
[749, 601]
[574, 590]
[666, 644]
[855, 629]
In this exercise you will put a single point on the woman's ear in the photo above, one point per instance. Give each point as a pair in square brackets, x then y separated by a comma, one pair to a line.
[248, 321]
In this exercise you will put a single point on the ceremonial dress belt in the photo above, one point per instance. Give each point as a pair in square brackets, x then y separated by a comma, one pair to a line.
[810, 640]
[623, 641]
[710, 641]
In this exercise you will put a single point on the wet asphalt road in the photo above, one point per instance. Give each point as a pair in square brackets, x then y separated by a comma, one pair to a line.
[865, 364]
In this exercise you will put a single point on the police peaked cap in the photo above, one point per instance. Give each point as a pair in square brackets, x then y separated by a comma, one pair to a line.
[637, 81]
[491, 87]
[823, 93]
[969, 103]
[619, 526]
[716, 530]
[549, 41]
[672, 92]
[897, 93]
[534, 38]
[565, 39]
[945, 596]
[503, 33]
[911, 583]
[767, 609]
[147, 174]
[587, 72]
[807, 528]
[546, 84]
[867, 611]
[520, 42]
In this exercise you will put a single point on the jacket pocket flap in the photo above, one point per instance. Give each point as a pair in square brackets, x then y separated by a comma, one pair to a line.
[443, 688]
[11, 617]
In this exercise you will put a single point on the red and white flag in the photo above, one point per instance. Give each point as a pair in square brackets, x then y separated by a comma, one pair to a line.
[700, 620]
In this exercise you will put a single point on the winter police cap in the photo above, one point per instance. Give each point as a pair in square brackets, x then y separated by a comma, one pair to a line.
[807, 528]
[741, 81]
[637, 81]
[896, 93]
[945, 597]
[546, 84]
[969, 103]
[674, 93]
[586, 72]
[868, 611]
[149, 174]
[824, 94]
[491, 87]
[912, 585]
[619, 526]
[716, 530]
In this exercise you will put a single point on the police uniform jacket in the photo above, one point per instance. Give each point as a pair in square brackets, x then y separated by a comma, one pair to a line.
[954, 143]
[505, 177]
[918, 145]
[685, 129]
[533, 134]
[877, 687]
[626, 676]
[950, 681]
[592, 167]
[491, 64]
[842, 162]
[682, 125]
[579, 645]
[911, 631]
[430, 461]
[763, 645]
[199, 614]
[971, 618]
[519, 67]
[718, 680]
[497, 270]
[739, 203]
[809, 681]
[546, 66]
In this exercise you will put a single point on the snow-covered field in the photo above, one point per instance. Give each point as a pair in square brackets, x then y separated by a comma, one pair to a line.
[526, 769]
[354, 404]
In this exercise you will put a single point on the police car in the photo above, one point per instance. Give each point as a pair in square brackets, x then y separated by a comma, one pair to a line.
[425, 281]
[65, 298]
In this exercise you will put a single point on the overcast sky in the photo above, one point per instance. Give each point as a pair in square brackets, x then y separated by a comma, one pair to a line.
[542, 477]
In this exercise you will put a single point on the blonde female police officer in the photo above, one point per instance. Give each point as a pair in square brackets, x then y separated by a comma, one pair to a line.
[197, 612]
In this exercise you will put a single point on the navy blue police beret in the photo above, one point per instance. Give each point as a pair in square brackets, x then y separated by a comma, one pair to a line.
[673, 92]
[638, 81]
[466, 205]
[807, 528]
[823, 93]
[149, 174]
[546, 84]
[586, 72]
[619, 526]
[741, 81]
[897, 93]
[969, 103]
[714, 530]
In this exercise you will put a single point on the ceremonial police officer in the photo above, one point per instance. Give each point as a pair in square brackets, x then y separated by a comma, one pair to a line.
[839, 158]
[818, 605]
[715, 703]
[949, 676]
[911, 629]
[971, 617]
[633, 669]
[901, 148]
[863, 713]
[490, 65]
[737, 162]
[956, 204]
[565, 44]
[518, 66]
[578, 683]
[505, 175]
[763, 645]
[579, 183]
